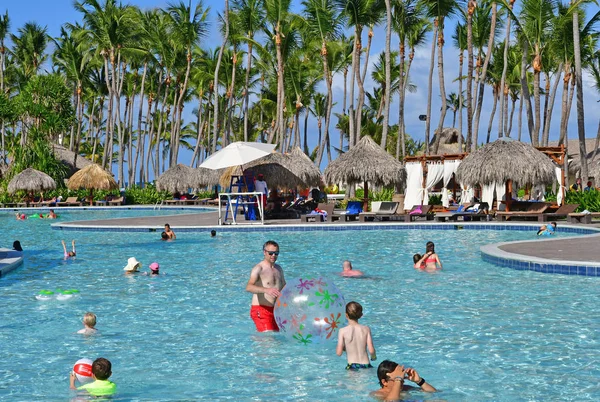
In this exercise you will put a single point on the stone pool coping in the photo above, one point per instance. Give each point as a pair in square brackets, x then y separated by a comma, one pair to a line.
[9, 260]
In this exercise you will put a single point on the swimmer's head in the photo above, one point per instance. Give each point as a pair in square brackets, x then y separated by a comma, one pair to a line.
[553, 224]
[17, 245]
[430, 247]
[354, 310]
[384, 369]
[213, 233]
[347, 265]
[164, 236]
[101, 368]
[167, 226]
[417, 257]
[89, 319]
[71, 253]
[154, 267]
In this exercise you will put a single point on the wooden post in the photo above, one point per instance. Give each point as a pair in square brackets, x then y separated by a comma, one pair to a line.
[424, 167]
[508, 194]
[366, 197]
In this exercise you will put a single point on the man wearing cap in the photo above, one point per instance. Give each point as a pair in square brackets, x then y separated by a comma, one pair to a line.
[260, 185]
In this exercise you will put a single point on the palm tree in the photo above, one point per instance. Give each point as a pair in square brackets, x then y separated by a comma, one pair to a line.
[455, 103]
[502, 124]
[30, 48]
[388, 72]
[438, 10]
[187, 29]
[324, 23]
[4, 28]
[250, 17]
[460, 42]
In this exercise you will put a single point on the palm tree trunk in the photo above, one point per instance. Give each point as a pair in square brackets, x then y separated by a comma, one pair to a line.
[199, 129]
[486, 62]
[526, 97]
[580, 107]
[460, 101]
[351, 125]
[471, 5]
[305, 144]
[388, 74]
[521, 102]
[512, 114]
[535, 136]
[246, 89]
[400, 137]
[139, 155]
[550, 108]
[216, 78]
[442, 84]
[344, 105]
[491, 121]
[564, 104]
[430, 88]
[367, 53]
[503, 104]
[329, 82]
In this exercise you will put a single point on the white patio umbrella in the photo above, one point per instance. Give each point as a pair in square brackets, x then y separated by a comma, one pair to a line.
[237, 154]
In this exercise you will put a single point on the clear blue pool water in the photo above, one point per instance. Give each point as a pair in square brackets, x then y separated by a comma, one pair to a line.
[475, 331]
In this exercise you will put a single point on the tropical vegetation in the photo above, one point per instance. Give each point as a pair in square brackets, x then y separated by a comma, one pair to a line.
[119, 85]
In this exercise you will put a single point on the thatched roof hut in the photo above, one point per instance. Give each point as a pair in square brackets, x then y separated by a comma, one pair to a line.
[179, 178]
[208, 177]
[449, 135]
[67, 157]
[280, 170]
[92, 177]
[506, 159]
[366, 162]
[31, 180]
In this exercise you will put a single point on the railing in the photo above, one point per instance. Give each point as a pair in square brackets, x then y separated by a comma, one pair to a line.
[158, 205]
[233, 201]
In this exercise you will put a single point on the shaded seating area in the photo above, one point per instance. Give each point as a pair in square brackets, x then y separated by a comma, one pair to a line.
[352, 212]
[69, 202]
[314, 217]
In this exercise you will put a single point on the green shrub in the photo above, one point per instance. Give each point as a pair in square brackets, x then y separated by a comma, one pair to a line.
[435, 200]
[589, 200]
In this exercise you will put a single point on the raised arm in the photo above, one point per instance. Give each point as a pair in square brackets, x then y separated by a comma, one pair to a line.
[73, 245]
[64, 246]
[397, 376]
[413, 376]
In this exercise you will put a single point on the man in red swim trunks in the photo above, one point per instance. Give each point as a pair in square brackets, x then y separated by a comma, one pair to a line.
[266, 282]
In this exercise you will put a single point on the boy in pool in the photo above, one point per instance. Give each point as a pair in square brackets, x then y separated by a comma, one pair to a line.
[89, 324]
[391, 378]
[355, 339]
[69, 254]
[101, 371]
[169, 232]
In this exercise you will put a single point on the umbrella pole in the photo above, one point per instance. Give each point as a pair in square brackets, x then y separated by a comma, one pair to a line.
[91, 196]
[366, 197]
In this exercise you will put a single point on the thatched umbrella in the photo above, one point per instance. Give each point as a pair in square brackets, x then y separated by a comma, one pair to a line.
[92, 177]
[208, 177]
[506, 161]
[366, 162]
[31, 180]
[177, 179]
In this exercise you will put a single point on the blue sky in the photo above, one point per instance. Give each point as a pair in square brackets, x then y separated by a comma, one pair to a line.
[54, 13]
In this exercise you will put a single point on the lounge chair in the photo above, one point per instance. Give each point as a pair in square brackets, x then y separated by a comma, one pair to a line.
[533, 210]
[116, 201]
[352, 212]
[581, 217]
[419, 211]
[380, 211]
[473, 212]
[315, 218]
[71, 201]
[562, 212]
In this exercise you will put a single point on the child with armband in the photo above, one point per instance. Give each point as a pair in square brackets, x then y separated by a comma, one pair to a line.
[355, 339]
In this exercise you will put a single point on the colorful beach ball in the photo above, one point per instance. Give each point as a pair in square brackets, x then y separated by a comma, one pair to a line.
[310, 310]
[83, 370]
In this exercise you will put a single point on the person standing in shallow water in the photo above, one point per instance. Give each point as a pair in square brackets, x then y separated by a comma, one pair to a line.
[265, 284]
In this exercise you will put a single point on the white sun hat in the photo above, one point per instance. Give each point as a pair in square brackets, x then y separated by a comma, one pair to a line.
[132, 265]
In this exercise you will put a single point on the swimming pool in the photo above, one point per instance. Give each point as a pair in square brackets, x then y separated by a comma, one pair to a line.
[475, 331]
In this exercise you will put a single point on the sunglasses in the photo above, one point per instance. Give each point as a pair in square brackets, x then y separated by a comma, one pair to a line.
[272, 252]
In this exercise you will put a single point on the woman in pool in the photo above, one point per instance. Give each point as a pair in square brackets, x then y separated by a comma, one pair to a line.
[432, 261]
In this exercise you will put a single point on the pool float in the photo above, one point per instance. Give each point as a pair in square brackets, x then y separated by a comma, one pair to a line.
[45, 295]
[66, 294]
[34, 216]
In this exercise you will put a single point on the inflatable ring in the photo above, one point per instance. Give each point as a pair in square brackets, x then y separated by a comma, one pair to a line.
[66, 294]
[45, 295]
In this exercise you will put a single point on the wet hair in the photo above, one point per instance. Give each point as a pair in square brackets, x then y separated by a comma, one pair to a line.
[354, 310]
[384, 369]
[71, 253]
[213, 233]
[167, 226]
[89, 319]
[101, 368]
[417, 257]
[270, 243]
[349, 263]
[17, 245]
[553, 224]
[430, 247]
[164, 236]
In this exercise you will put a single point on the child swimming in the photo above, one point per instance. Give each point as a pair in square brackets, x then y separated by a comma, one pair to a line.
[69, 254]
[355, 339]
[89, 324]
